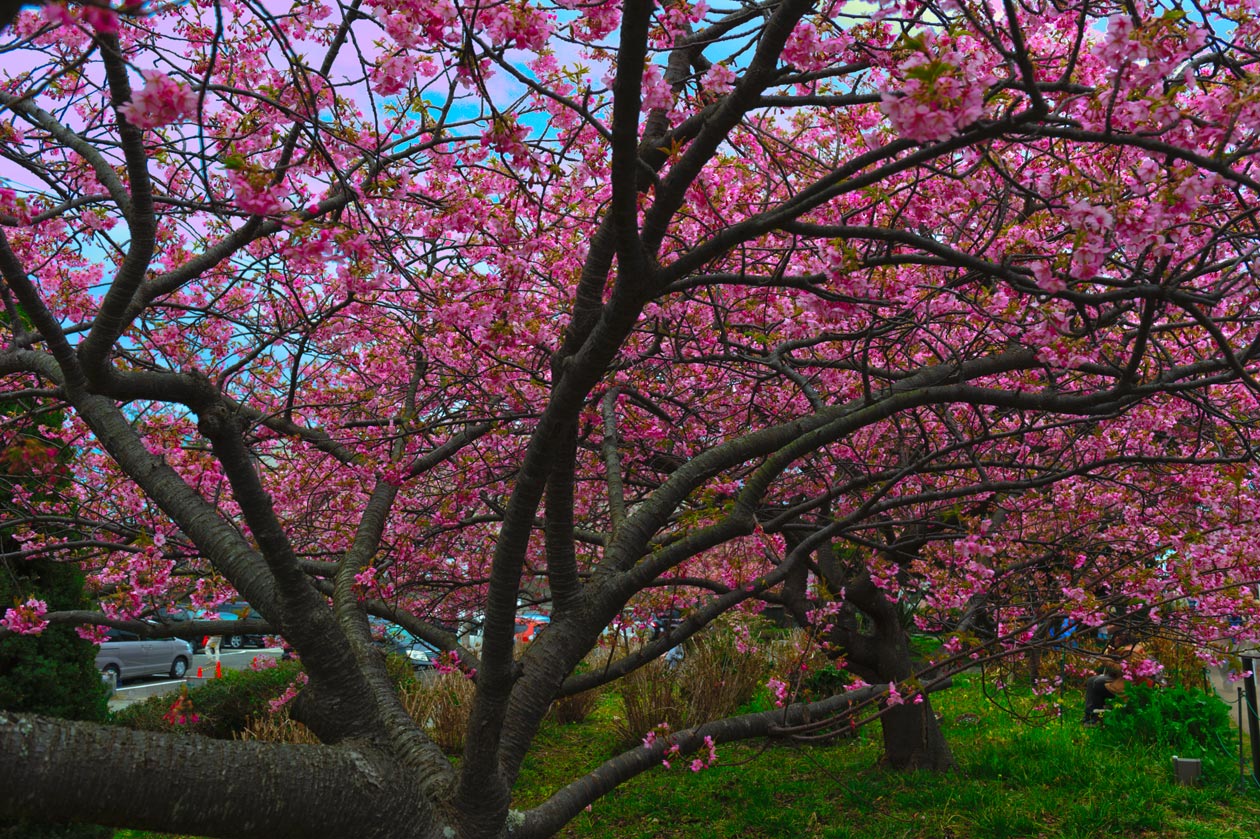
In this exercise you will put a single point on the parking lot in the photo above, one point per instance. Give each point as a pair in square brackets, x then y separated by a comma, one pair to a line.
[135, 690]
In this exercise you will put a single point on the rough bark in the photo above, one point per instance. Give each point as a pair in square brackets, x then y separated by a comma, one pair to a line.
[913, 739]
[188, 784]
[912, 735]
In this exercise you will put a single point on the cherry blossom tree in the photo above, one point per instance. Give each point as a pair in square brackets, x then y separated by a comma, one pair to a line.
[423, 310]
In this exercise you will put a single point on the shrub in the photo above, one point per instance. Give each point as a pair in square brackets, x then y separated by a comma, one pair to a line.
[1182, 664]
[1182, 719]
[224, 707]
[575, 708]
[825, 681]
[649, 697]
[52, 673]
[441, 705]
[277, 728]
[716, 677]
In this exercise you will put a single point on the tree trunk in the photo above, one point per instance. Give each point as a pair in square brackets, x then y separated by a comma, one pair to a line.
[912, 734]
[913, 739]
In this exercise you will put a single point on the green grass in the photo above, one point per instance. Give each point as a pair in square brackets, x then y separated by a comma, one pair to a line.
[1016, 780]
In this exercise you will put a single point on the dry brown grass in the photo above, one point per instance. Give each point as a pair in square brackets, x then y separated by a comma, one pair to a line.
[712, 681]
[715, 677]
[277, 728]
[440, 704]
[575, 708]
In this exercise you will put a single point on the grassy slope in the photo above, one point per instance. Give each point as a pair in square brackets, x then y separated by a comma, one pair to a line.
[1016, 780]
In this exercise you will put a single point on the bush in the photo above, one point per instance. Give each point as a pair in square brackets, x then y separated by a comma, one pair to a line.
[1186, 720]
[224, 707]
[1182, 663]
[575, 708]
[53, 673]
[716, 677]
[825, 681]
[277, 728]
[441, 706]
[649, 697]
[439, 703]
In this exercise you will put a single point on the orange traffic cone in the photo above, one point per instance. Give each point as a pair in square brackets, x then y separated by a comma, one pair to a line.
[218, 670]
[199, 676]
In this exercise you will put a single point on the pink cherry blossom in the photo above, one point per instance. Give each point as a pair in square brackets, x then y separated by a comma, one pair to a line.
[395, 73]
[719, 79]
[26, 618]
[161, 101]
[255, 194]
[656, 91]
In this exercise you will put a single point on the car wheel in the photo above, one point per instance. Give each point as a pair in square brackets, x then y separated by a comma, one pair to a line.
[111, 676]
[235, 642]
[179, 668]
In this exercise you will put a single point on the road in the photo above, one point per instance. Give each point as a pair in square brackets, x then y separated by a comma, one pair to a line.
[137, 689]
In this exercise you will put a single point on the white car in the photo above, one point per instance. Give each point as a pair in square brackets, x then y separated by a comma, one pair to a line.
[125, 655]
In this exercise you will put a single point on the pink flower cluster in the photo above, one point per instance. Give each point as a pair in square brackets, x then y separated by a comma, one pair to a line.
[507, 137]
[255, 194]
[181, 711]
[448, 662]
[11, 204]
[103, 20]
[1094, 225]
[395, 73]
[94, 634]
[719, 79]
[413, 24]
[290, 693]
[1157, 49]
[780, 690]
[161, 101]
[656, 91]
[675, 21]
[26, 618]
[1147, 668]
[597, 20]
[808, 51]
[661, 732]
[942, 94]
[522, 26]
[708, 760]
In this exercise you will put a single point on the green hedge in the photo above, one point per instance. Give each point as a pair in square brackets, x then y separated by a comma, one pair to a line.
[223, 706]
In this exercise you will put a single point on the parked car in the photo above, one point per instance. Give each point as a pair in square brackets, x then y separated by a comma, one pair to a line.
[421, 654]
[175, 615]
[237, 610]
[125, 655]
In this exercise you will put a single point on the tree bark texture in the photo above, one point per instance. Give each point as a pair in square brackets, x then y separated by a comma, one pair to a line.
[115, 776]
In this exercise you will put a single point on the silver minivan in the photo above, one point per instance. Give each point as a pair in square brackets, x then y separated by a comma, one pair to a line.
[125, 655]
